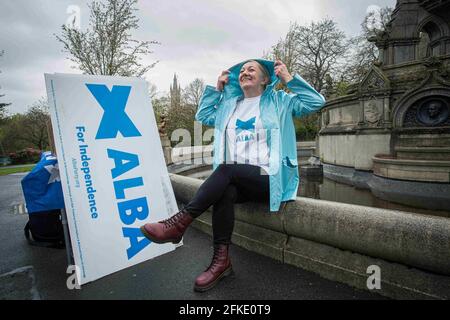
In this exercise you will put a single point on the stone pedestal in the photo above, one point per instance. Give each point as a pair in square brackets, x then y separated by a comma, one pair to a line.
[167, 148]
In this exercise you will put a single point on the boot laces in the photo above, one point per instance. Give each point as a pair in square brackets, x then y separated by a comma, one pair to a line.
[172, 220]
[215, 259]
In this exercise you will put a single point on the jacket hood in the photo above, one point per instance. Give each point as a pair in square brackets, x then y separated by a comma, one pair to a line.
[234, 89]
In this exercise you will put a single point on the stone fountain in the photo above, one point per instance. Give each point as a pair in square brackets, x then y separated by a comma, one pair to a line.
[391, 134]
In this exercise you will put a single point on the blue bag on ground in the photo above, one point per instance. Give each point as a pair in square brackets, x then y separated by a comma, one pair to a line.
[44, 200]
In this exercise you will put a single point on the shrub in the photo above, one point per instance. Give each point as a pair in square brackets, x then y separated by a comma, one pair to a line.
[27, 155]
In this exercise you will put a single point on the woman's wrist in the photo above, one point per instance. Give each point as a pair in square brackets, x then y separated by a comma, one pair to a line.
[288, 78]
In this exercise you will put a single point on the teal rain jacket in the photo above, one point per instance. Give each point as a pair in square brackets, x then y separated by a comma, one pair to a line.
[277, 110]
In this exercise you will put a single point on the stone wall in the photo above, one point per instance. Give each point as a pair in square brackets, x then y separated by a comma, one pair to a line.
[340, 241]
[353, 150]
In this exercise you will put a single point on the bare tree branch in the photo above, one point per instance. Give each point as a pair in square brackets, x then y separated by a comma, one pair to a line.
[193, 93]
[364, 52]
[107, 47]
[312, 51]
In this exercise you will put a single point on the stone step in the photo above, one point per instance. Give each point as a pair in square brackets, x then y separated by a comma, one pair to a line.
[306, 144]
[412, 169]
[423, 140]
[423, 153]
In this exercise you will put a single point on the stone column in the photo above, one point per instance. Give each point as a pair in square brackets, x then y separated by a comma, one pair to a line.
[387, 112]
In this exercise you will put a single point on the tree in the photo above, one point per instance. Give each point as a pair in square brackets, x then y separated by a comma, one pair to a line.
[193, 93]
[180, 113]
[152, 91]
[27, 130]
[33, 126]
[3, 105]
[9, 131]
[107, 47]
[181, 117]
[287, 50]
[376, 22]
[160, 106]
[365, 51]
[317, 52]
[314, 51]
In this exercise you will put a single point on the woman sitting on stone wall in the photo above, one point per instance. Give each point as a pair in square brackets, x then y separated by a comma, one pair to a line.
[255, 154]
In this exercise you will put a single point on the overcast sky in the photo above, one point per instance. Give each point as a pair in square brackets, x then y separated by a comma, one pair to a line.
[199, 38]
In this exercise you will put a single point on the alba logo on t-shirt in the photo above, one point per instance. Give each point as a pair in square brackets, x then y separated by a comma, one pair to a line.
[247, 127]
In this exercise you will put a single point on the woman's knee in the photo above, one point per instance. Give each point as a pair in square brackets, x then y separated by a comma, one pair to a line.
[230, 194]
[223, 167]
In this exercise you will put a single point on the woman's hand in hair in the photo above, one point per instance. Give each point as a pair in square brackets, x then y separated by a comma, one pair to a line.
[223, 80]
[282, 72]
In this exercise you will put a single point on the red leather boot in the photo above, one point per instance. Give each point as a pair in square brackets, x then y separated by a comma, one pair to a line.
[219, 268]
[169, 230]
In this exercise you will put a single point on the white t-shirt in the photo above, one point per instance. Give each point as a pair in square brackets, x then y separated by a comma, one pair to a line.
[246, 139]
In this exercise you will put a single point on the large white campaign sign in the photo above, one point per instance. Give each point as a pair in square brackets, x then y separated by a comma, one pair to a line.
[112, 168]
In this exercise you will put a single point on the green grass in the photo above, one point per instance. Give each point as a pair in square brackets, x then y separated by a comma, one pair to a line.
[24, 168]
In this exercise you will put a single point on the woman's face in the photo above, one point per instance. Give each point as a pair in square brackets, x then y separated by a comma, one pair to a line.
[252, 77]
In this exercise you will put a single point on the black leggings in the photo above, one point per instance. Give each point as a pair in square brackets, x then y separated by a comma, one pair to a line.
[227, 185]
